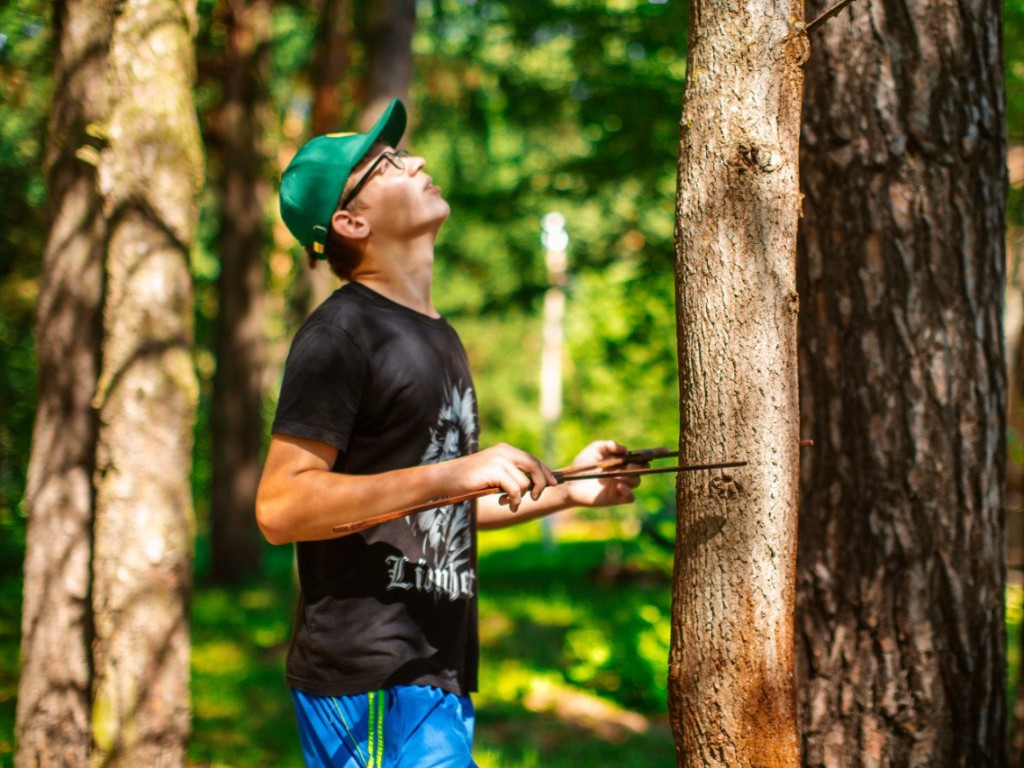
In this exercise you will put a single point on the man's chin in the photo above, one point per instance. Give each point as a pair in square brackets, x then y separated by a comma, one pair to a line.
[443, 213]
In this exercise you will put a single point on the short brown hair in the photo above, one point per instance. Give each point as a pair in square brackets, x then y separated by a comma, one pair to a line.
[340, 254]
[343, 256]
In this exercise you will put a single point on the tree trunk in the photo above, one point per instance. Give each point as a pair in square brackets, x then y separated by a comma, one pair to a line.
[389, 49]
[149, 175]
[53, 689]
[732, 693]
[330, 65]
[901, 646]
[236, 544]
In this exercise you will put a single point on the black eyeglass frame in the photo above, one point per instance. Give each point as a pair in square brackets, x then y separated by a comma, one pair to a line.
[394, 158]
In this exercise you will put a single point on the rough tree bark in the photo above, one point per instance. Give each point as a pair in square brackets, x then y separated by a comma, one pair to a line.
[900, 605]
[54, 686]
[149, 175]
[732, 691]
[239, 164]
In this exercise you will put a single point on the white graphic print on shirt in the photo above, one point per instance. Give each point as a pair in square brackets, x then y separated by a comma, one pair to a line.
[444, 568]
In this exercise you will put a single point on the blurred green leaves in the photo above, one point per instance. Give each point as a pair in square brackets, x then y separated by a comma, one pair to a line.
[1013, 47]
[25, 88]
[527, 108]
[574, 648]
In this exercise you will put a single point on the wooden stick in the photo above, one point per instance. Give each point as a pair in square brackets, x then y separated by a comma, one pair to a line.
[642, 456]
[827, 15]
[560, 476]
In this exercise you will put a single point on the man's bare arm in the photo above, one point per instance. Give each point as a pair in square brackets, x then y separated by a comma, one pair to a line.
[301, 499]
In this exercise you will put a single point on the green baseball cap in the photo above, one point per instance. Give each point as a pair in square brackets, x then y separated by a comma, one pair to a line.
[313, 181]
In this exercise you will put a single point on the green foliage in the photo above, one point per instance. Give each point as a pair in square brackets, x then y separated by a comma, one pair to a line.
[25, 87]
[25, 90]
[530, 107]
[1013, 48]
[1014, 620]
[593, 611]
[526, 108]
[10, 628]
[242, 713]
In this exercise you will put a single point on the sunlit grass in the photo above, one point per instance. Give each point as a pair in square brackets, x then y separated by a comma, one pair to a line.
[572, 671]
[242, 712]
[1014, 619]
[551, 642]
[562, 682]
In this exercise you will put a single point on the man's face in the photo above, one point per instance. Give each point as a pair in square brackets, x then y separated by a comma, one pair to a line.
[397, 194]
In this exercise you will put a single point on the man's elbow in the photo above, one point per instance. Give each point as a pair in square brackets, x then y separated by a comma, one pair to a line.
[271, 520]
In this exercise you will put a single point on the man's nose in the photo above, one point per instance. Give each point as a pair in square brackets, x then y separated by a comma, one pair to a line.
[415, 164]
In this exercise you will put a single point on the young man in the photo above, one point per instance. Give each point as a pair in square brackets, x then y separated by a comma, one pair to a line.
[377, 413]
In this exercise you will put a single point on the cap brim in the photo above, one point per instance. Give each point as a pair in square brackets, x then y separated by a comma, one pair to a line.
[390, 126]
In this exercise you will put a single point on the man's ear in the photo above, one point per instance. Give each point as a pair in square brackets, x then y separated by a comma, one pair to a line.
[349, 225]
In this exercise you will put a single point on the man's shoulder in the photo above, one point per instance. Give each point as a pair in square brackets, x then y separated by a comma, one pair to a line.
[344, 312]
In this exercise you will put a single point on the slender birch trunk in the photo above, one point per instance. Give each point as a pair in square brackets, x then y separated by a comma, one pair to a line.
[732, 688]
[149, 176]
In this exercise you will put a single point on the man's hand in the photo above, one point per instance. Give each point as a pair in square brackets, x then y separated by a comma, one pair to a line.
[601, 493]
[514, 471]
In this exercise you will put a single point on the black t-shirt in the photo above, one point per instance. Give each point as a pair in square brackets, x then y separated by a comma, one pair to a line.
[394, 604]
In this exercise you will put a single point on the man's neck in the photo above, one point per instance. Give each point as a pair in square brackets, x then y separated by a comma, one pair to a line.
[401, 272]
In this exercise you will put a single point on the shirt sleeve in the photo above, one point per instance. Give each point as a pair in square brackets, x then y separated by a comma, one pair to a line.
[324, 378]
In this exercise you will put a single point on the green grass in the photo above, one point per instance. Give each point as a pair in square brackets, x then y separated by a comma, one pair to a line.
[572, 671]
[1014, 619]
[574, 650]
[242, 712]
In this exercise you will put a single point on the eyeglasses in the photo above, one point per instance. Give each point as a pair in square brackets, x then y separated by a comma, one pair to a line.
[392, 158]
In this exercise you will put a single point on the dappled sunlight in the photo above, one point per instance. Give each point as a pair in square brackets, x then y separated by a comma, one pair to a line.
[242, 709]
[601, 718]
[573, 662]
[219, 658]
[1014, 618]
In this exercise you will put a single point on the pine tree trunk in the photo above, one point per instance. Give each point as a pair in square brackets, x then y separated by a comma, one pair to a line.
[149, 175]
[54, 686]
[900, 606]
[732, 693]
[236, 543]
[389, 47]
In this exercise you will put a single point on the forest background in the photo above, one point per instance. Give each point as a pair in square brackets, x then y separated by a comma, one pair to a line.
[521, 109]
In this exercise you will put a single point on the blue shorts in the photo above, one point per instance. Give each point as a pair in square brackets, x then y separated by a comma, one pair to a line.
[411, 726]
